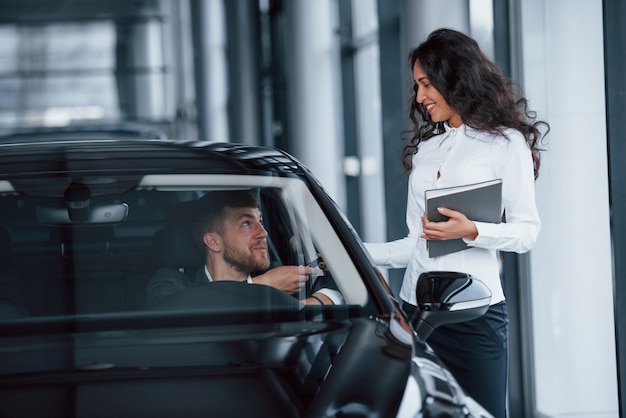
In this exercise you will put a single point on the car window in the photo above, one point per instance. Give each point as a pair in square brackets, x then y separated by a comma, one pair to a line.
[63, 255]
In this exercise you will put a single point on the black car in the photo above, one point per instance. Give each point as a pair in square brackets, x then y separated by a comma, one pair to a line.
[82, 131]
[84, 226]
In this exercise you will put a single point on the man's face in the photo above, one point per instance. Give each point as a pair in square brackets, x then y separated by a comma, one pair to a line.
[245, 239]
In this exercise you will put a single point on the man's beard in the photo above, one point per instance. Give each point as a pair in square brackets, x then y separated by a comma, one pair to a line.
[245, 261]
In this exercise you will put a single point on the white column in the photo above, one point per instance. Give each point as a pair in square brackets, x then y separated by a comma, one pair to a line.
[314, 93]
[210, 69]
[147, 57]
[421, 17]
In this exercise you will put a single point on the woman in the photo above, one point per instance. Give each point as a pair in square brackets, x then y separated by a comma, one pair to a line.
[467, 128]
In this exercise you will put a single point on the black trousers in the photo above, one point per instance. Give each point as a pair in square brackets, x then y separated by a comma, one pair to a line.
[476, 353]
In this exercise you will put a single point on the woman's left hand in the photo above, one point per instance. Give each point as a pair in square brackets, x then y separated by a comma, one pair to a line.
[457, 226]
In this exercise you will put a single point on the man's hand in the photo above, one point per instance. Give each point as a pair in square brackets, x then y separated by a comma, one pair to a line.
[289, 279]
[457, 226]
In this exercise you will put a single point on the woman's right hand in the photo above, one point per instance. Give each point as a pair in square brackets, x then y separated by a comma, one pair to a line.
[457, 226]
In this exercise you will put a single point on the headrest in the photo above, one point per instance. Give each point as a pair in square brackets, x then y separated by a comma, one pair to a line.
[5, 244]
[174, 243]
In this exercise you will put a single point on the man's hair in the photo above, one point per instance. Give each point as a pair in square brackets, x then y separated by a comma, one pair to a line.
[209, 211]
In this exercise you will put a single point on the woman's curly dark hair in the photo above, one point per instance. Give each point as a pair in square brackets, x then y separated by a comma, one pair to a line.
[474, 87]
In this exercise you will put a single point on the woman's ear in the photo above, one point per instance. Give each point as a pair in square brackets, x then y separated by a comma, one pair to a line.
[212, 241]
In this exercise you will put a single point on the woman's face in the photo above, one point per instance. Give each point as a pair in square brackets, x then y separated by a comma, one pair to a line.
[435, 104]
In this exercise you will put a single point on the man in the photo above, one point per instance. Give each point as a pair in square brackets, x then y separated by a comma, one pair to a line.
[228, 225]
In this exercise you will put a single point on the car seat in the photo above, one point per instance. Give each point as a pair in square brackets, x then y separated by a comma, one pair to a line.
[174, 242]
[10, 290]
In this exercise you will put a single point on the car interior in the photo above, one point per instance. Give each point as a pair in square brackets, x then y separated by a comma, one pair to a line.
[68, 269]
[52, 265]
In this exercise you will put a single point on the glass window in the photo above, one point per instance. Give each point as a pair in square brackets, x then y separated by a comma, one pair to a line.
[564, 272]
[52, 75]
[101, 254]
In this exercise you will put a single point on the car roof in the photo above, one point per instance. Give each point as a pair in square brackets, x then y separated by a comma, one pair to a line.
[102, 130]
[91, 153]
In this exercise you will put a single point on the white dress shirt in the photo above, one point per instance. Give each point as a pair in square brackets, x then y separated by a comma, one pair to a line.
[463, 156]
[208, 276]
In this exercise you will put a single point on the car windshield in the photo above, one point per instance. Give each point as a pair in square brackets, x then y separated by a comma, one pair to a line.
[89, 251]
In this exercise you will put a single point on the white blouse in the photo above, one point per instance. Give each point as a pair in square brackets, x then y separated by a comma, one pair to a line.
[463, 156]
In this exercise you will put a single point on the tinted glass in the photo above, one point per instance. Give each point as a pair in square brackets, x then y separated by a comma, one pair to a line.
[72, 249]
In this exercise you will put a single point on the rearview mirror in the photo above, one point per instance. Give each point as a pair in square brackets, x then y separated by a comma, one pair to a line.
[446, 297]
[101, 215]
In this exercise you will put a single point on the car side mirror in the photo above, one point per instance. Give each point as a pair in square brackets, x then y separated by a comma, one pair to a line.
[447, 297]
